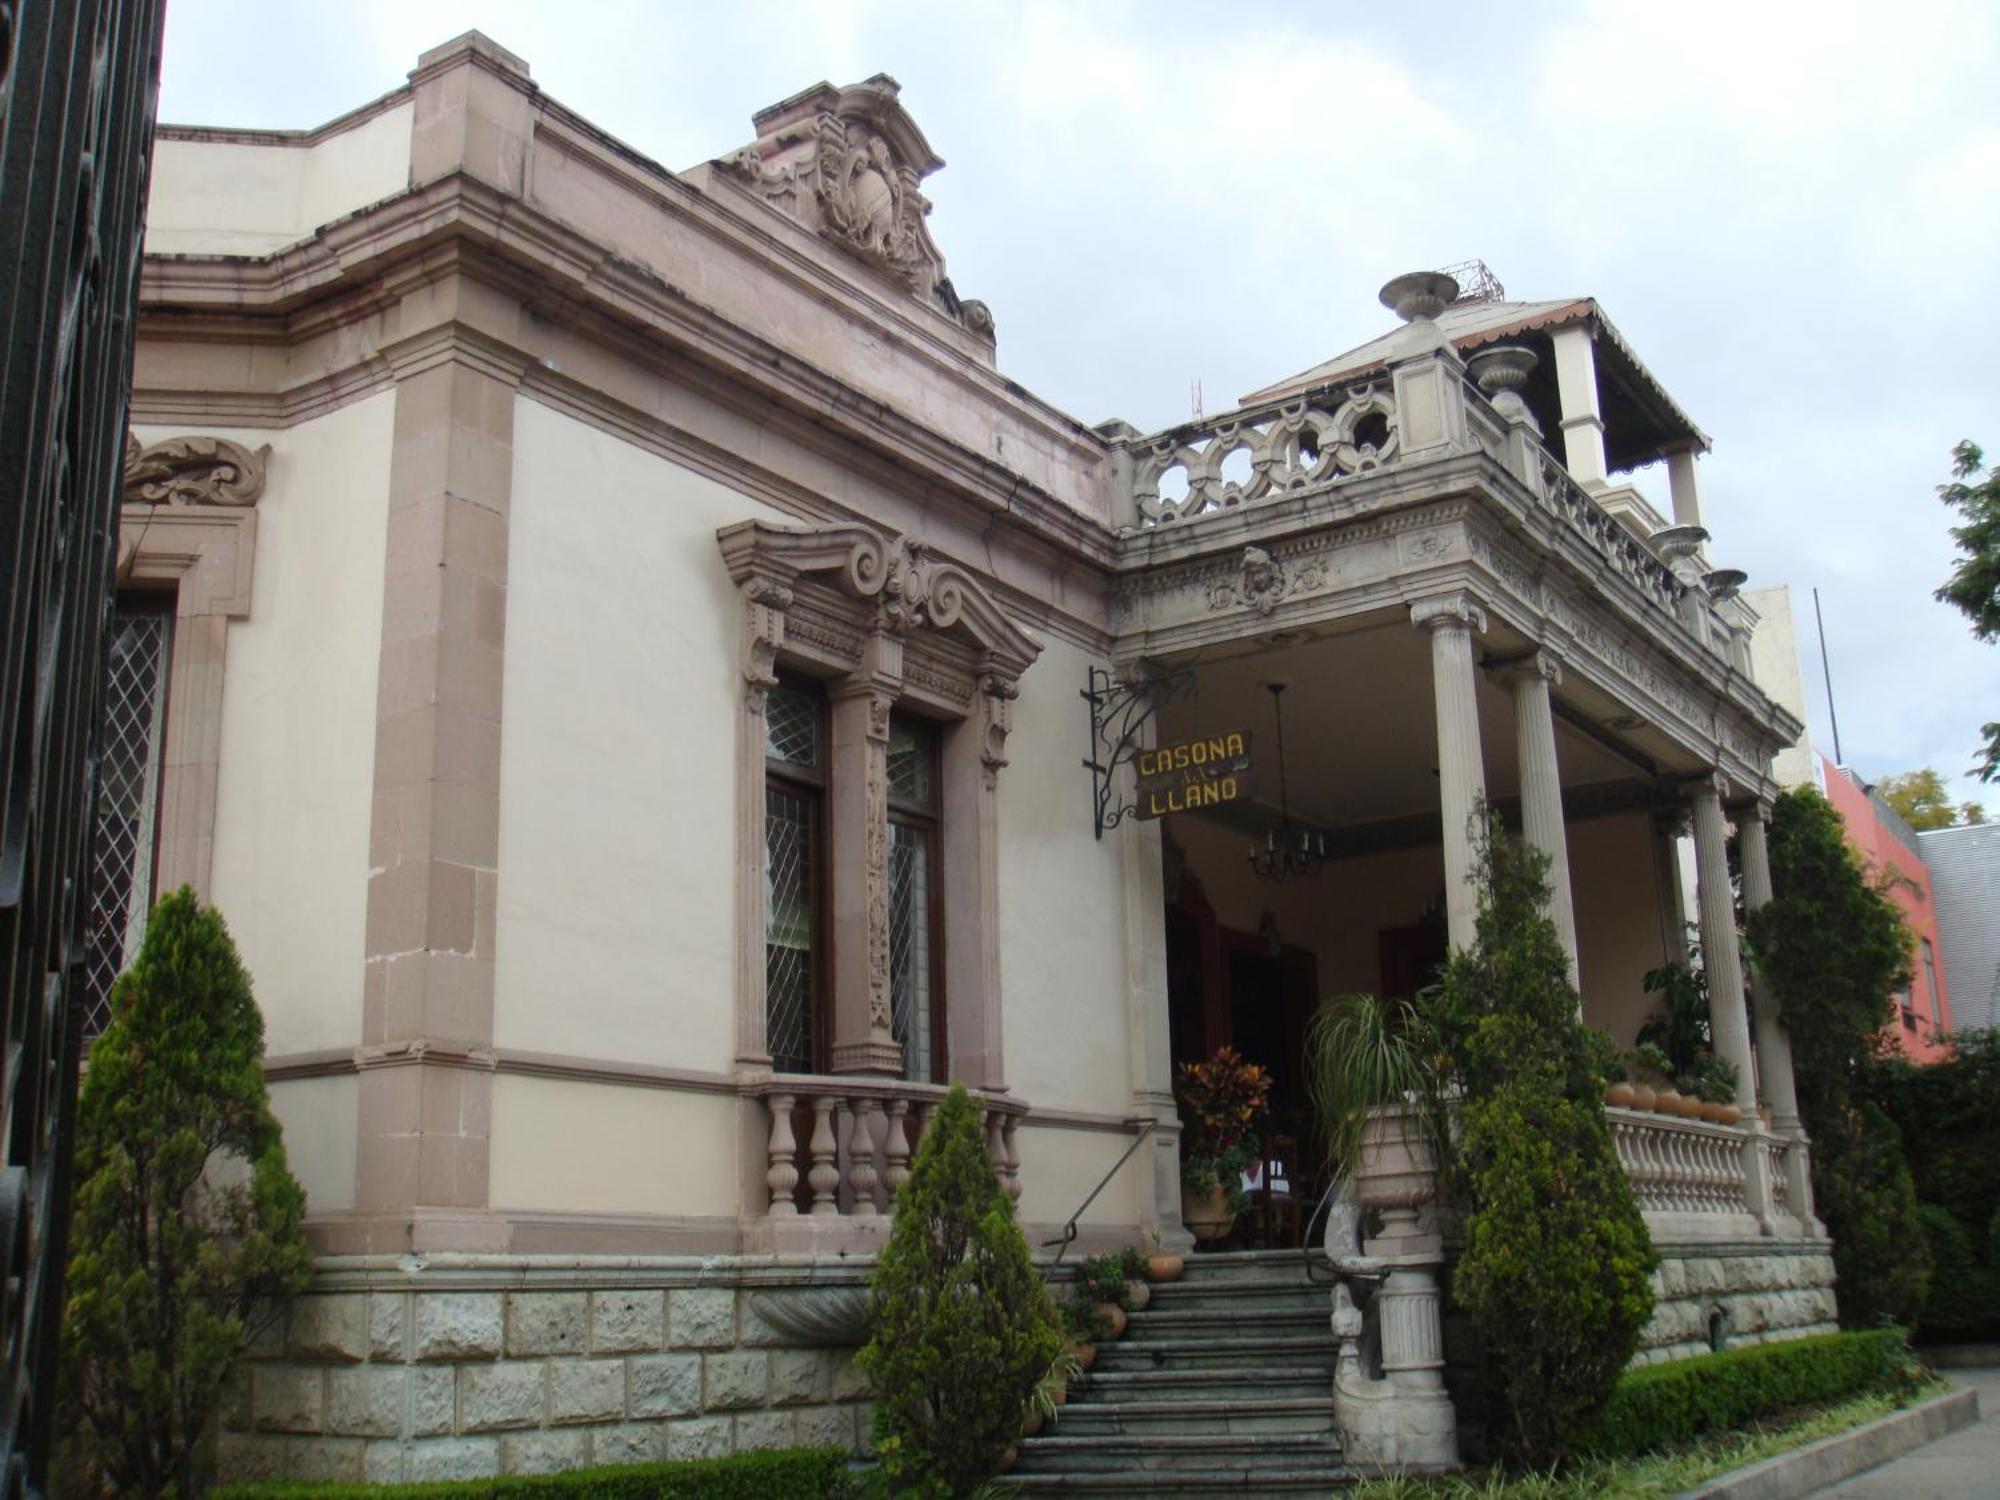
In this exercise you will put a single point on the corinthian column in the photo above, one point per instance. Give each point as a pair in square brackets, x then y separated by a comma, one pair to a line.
[1541, 785]
[1453, 619]
[1722, 960]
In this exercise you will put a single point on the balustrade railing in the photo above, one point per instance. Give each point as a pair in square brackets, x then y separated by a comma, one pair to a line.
[842, 1144]
[1679, 1166]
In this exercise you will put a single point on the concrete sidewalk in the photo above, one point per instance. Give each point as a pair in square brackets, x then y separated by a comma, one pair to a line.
[1966, 1464]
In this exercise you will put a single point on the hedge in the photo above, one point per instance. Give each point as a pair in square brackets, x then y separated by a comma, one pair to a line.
[1659, 1405]
[796, 1473]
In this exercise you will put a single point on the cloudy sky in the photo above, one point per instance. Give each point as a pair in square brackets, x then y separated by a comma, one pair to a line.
[1791, 210]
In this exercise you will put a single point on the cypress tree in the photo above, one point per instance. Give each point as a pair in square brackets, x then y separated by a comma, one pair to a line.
[187, 1221]
[963, 1327]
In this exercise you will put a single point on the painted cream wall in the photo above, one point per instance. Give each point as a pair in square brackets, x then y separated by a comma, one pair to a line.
[570, 1147]
[1774, 663]
[1059, 1168]
[295, 786]
[318, 1116]
[219, 197]
[617, 755]
[1062, 907]
[1620, 929]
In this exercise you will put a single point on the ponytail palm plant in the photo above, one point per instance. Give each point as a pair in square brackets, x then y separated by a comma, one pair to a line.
[1364, 1052]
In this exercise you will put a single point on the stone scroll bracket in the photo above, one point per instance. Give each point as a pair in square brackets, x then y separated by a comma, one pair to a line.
[888, 625]
[188, 523]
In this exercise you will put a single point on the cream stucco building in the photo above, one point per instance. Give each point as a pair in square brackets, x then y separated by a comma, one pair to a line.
[623, 657]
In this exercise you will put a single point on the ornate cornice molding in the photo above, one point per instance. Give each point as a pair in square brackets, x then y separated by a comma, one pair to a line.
[193, 471]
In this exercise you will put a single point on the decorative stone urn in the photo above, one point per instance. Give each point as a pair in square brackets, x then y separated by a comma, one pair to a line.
[1419, 294]
[1502, 367]
[1207, 1214]
[1395, 1172]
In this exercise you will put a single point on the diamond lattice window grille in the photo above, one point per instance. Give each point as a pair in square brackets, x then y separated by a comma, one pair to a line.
[910, 762]
[791, 726]
[128, 789]
[788, 929]
[910, 947]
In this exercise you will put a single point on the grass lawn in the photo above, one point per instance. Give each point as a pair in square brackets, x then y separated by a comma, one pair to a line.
[1658, 1474]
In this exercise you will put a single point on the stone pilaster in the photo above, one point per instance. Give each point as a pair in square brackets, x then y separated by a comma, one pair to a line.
[1582, 419]
[1453, 620]
[1722, 959]
[975, 751]
[1541, 785]
[764, 605]
[863, 1038]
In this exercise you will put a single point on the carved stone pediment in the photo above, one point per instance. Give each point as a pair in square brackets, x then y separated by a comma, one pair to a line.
[848, 163]
[193, 471]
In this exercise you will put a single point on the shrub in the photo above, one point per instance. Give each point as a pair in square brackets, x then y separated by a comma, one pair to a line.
[1961, 1300]
[186, 1224]
[796, 1473]
[1660, 1405]
[1555, 1270]
[1862, 1189]
[963, 1327]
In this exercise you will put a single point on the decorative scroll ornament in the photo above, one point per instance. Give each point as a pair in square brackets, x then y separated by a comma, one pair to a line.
[193, 471]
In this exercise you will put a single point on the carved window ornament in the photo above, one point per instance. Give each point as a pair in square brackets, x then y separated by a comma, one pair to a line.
[888, 625]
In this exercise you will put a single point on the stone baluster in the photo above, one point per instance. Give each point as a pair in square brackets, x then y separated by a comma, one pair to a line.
[1011, 1177]
[861, 1173]
[996, 1147]
[824, 1176]
[896, 1149]
[782, 1176]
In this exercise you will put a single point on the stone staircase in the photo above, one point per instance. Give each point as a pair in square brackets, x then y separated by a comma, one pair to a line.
[1223, 1385]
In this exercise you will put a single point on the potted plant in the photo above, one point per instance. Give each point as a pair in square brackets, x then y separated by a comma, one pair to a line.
[1162, 1264]
[1138, 1291]
[1220, 1102]
[1368, 1061]
[1677, 1043]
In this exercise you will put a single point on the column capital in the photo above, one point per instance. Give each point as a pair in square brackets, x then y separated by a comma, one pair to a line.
[1758, 807]
[1710, 783]
[1540, 663]
[1453, 611]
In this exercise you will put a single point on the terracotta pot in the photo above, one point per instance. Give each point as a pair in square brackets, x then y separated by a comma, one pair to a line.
[1033, 1422]
[1085, 1355]
[1691, 1107]
[1764, 1114]
[1620, 1095]
[1164, 1265]
[1728, 1114]
[1712, 1111]
[1208, 1215]
[1138, 1295]
[1113, 1319]
[1643, 1096]
[1059, 1394]
[1008, 1455]
[1666, 1101]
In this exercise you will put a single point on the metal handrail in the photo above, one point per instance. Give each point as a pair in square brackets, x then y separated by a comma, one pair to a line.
[1068, 1235]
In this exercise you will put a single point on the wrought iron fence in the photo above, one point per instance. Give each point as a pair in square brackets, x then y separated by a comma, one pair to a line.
[77, 83]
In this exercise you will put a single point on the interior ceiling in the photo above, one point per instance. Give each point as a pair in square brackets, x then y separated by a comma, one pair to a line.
[1360, 737]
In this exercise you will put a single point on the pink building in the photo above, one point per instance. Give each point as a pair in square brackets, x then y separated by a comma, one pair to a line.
[1889, 845]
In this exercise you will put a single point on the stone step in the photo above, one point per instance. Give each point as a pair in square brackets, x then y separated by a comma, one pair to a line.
[1199, 1382]
[1209, 1416]
[1238, 1453]
[1248, 1292]
[1186, 1484]
[1188, 1321]
[1244, 1265]
[1289, 1352]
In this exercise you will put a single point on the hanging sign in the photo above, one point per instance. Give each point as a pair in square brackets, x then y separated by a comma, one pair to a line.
[1190, 774]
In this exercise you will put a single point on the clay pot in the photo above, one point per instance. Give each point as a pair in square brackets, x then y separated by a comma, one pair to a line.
[1033, 1422]
[1728, 1114]
[1208, 1215]
[1620, 1095]
[1085, 1355]
[1691, 1107]
[1164, 1265]
[1643, 1096]
[1764, 1114]
[1113, 1319]
[1711, 1111]
[1666, 1101]
[1008, 1455]
[1059, 1394]
[1138, 1295]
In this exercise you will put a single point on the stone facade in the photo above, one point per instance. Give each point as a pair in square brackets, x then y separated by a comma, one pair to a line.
[387, 1379]
[1759, 1291]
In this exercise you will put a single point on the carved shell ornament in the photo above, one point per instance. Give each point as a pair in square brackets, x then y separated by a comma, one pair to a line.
[193, 471]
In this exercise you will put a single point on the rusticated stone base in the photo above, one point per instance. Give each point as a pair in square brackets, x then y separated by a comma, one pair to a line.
[458, 1367]
[1760, 1291]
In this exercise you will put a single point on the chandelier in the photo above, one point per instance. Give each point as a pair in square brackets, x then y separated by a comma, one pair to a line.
[1289, 851]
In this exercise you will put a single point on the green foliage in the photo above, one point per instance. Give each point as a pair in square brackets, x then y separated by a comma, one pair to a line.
[962, 1326]
[1555, 1270]
[186, 1223]
[796, 1473]
[1948, 1114]
[1221, 1102]
[1920, 800]
[1677, 1041]
[1363, 1052]
[1676, 1402]
[1974, 585]
[1832, 950]
[1102, 1278]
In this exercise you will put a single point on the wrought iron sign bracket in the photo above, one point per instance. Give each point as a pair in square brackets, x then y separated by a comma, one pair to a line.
[1119, 713]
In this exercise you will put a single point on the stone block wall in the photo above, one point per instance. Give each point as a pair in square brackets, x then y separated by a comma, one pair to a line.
[1762, 1291]
[398, 1382]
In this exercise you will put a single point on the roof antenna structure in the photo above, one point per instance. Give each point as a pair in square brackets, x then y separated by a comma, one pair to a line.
[1194, 399]
[1476, 281]
[1827, 672]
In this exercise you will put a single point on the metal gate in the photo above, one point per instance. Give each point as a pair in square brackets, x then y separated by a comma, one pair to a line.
[77, 83]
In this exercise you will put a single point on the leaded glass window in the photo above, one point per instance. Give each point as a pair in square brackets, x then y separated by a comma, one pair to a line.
[128, 792]
[794, 873]
[914, 991]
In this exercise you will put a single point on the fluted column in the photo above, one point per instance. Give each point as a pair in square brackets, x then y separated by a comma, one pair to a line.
[1541, 785]
[1774, 1042]
[1722, 960]
[1453, 620]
